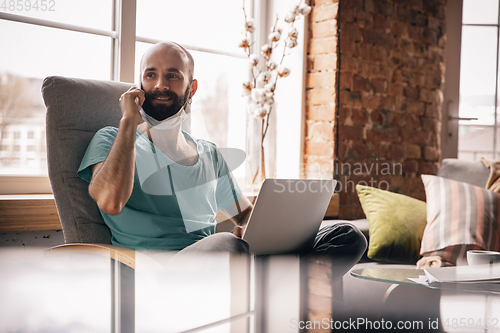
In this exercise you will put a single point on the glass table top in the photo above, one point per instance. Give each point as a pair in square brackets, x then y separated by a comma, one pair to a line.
[401, 276]
[389, 275]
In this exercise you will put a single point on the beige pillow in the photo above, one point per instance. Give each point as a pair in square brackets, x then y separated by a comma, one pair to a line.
[460, 217]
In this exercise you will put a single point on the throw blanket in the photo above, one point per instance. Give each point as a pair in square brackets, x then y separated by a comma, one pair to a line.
[493, 183]
[432, 261]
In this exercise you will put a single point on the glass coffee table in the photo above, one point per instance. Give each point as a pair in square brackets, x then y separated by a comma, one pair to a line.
[448, 309]
[389, 275]
[403, 276]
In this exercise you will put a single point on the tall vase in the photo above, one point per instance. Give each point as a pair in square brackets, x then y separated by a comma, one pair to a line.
[261, 151]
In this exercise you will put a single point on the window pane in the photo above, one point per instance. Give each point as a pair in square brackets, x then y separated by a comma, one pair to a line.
[217, 24]
[476, 142]
[480, 12]
[218, 109]
[35, 53]
[477, 92]
[477, 73]
[95, 14]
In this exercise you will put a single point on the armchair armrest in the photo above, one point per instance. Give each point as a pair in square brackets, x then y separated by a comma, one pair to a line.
[122, 254]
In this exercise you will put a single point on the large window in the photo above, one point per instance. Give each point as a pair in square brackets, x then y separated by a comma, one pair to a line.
[78, 39]
[478, 133]
[212, 32]
[69, 38]
[87, 39]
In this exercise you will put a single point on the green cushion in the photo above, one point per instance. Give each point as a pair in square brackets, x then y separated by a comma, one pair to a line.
[396, 224]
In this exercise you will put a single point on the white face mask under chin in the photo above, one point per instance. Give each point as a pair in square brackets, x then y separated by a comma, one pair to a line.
[169, 123]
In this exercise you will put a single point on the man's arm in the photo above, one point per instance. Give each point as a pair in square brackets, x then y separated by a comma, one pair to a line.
[113, 180]
[239, 213]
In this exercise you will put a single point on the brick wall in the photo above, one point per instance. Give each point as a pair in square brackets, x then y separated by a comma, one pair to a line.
[389, 91]
[318, 291]
[319, 142]
[321, 92]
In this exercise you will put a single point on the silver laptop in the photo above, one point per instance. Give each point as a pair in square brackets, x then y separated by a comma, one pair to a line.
[287, 215]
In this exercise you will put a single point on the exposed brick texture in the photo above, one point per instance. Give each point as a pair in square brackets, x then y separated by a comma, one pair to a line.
[320, 131]
[322, 89]
[391, 56]
[389, 89]
[383, 105]
[319, 290]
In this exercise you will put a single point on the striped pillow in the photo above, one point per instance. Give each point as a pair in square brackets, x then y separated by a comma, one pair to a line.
[460, 217]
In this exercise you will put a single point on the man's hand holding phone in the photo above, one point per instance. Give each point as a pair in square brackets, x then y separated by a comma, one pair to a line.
[113, 180]
[129, 106]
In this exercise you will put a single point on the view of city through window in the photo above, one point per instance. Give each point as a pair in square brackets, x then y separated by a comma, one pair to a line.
[22, 125]
[33, 52]
[479, 65]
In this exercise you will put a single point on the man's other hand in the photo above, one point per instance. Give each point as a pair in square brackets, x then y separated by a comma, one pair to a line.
[238, 231]
[129, 106]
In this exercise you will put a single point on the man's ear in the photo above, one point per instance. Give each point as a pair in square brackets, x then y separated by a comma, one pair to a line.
[194, 88]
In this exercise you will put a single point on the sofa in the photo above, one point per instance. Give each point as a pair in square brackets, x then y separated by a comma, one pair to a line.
[368, 298]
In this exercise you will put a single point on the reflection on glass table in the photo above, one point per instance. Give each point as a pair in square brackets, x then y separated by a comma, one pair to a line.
[73, 292]
[389, 275]
[78, 291]
[451, 307]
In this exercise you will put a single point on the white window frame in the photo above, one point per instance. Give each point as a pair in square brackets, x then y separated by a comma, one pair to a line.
[122, 66]
[497, 93]
[451, 92]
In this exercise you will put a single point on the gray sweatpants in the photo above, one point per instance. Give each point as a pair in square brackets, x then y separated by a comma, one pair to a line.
[343, 243]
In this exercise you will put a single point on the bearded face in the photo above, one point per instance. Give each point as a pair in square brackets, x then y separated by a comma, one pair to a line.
[163, 104]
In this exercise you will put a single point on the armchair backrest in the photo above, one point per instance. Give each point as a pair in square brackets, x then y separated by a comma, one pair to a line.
[76, 109]
[472, 172]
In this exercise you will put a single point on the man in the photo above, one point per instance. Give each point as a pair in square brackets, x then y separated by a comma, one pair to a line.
[130, 169]
[116, 158]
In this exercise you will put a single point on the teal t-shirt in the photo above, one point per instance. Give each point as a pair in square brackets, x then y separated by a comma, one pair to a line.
[171, 206]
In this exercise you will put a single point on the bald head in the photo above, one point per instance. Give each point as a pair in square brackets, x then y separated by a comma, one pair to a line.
[165, 48]
[167, 79]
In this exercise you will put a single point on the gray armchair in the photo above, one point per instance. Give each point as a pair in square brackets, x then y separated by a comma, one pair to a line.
[76, 110]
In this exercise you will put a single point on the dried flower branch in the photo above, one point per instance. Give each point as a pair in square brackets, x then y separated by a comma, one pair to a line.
[268, 72]
[260, 92]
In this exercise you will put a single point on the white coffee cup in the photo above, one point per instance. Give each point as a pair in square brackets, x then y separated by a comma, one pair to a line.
[479, 257]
